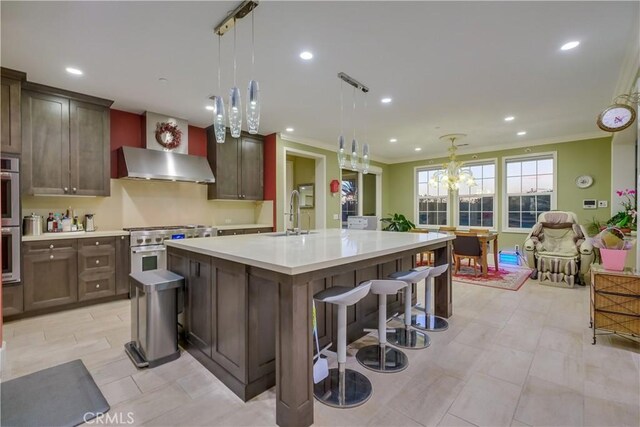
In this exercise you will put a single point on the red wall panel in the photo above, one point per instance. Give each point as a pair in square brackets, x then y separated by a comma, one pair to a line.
[197, 141]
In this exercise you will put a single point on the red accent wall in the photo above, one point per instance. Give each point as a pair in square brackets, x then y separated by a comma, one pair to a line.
[270, 171]
[127, 130]
[197, 141]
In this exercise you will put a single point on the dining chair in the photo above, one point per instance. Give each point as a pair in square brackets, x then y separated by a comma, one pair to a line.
[426, 257]
[467, 245]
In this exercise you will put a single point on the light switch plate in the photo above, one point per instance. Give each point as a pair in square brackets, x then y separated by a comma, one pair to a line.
[336, 216]
[603, 203]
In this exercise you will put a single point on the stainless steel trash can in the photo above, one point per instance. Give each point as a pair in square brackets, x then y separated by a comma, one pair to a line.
[154, 318]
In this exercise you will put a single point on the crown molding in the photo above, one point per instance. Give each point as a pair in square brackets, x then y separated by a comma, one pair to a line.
[324, 146]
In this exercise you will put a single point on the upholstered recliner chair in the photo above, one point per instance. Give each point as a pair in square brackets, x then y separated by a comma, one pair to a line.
[558, 249]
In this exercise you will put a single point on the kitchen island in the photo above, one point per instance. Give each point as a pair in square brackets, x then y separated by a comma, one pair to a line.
[248, 302]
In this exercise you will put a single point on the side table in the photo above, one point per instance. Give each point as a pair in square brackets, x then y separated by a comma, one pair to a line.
[615, 301]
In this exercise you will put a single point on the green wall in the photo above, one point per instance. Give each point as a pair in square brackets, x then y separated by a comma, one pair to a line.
[574, 158]
[369, 194]
[304, 172]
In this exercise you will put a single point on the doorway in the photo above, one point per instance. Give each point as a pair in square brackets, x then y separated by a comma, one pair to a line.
[361, 194]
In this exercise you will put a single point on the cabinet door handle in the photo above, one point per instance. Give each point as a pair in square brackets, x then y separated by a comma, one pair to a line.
[50, 246]
[66, 189]
[74, 189]
[121, 237]
[98, 285]
[50, 256]
[198, 269]
[97, 243]
[97, 261]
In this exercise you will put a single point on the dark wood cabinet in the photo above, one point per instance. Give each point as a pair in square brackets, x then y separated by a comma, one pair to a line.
[233, 232]
[237, 231]
[237, 165]
[12, 299]
[123, 265]
[198, 303]
[50, 274]
[65, 142]
[96, 268]
[10, 109]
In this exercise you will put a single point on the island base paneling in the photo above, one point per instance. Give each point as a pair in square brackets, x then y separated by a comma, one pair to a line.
[231, 313]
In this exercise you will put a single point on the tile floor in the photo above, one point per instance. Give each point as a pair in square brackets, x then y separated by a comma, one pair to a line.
[508, 359]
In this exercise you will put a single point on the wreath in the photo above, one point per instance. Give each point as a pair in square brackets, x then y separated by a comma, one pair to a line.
[168, 135]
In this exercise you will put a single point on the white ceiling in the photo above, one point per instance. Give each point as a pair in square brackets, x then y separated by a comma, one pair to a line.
[449, 66]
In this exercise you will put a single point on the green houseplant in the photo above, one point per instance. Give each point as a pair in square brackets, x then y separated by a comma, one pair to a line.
[397, 222]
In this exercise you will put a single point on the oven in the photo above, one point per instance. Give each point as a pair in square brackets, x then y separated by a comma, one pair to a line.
[10, 191]
[10, 254]
[145, 258]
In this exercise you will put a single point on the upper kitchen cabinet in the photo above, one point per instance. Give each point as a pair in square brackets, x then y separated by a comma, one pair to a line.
[237, 165]
[65, 142]
[11, 84]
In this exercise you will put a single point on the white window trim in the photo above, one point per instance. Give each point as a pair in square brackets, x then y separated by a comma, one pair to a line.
[456, 196]
[505, 197]
[416, 207]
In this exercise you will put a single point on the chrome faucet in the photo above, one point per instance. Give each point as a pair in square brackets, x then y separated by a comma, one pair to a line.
[294, 218]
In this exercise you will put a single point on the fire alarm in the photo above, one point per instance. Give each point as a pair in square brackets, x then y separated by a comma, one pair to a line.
[334, 186]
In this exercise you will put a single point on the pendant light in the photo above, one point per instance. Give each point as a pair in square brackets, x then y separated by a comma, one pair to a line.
[342, 157]
[354, 141]
[253, 93]
[219, 119]
[235, 103]
[365, 146]
[354, 157]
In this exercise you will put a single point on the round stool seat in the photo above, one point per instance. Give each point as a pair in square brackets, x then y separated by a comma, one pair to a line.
[345, 389]
[341, 295]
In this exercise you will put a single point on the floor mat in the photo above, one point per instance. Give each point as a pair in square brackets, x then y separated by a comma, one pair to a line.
[64, 395]
[510, 278]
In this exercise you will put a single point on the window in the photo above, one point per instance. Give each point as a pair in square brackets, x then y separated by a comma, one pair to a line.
[432, 201]
[529, 190]
[476, 204]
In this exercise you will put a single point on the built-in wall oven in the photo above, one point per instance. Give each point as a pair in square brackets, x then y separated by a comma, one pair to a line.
[11, 233]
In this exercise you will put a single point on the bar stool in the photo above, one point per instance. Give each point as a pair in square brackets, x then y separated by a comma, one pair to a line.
[380, 357]
[429, 321]
[406, 337]
[343, 388]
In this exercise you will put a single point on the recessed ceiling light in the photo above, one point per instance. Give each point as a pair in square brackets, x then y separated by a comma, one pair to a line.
[418, 149]
[385, 100]
[162, 80]
[509, 118]
[75, 71]
[209, 107]
[393, 140]
[570, 45]
[306, 55]
[522, 132]
[289, 129]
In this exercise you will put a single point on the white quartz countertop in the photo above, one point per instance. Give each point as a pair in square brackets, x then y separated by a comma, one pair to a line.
[241, 226]
[75, 235]
[300, 254]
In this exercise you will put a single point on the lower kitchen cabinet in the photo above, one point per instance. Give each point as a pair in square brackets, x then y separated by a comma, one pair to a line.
[12, 299]
[96, 268]
[50, 274]
[237, 231]
[123, 264]
[198, 303]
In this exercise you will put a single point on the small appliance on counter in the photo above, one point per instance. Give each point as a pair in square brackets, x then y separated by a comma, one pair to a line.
[89, 223]
[362, 222]
[32, 225]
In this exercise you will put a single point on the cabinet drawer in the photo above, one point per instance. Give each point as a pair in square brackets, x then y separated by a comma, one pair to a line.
[48, 245]
[97, 243]
[230, 232]
[12, 299]
[96, 285]
[258, 230]
[97, 259]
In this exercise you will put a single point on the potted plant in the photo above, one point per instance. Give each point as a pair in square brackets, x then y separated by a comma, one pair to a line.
[613, 248]
[397, 222]
[627, 219]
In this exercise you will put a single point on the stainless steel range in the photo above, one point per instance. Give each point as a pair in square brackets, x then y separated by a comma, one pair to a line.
[148, 251]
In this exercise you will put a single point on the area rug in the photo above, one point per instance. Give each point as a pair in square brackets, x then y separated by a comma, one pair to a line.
[510, 278]
[64, 395]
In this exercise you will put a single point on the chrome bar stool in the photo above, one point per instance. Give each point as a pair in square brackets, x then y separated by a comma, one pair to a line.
[429, 321]
[407, 337]
[380, 357]
[343, 388]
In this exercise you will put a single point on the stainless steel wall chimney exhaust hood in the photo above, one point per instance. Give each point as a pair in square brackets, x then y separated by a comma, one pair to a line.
[140, 163]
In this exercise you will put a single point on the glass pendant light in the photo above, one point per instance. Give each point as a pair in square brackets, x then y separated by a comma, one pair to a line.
[219, 119]
[253, 93]
[354, 142]
[341, 150]
[365, 159]
[235, 103]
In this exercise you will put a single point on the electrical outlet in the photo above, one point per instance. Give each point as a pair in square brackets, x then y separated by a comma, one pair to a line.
[227, 221]
[336, 216]
[603, 203]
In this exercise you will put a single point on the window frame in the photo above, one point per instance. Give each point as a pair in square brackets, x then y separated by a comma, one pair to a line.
[505, 197]
[456, 201]
[416, 204]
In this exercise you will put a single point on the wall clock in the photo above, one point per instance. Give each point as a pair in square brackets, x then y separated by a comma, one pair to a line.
[584, 181]
[616, 117]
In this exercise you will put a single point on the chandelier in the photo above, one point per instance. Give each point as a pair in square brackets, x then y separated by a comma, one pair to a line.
[454, 174]
[358, 162]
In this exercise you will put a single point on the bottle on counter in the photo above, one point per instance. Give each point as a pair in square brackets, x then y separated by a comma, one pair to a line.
[50, 221]
[56, 223]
